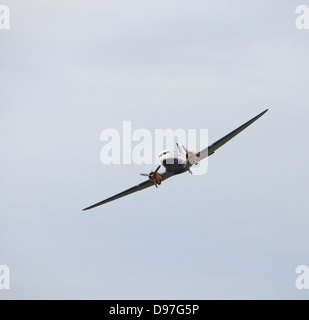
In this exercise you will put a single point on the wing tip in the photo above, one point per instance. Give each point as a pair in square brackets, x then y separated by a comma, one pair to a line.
[261, 114]
[88, 208]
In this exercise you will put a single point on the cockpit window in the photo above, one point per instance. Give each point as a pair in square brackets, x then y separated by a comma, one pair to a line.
[163, 153]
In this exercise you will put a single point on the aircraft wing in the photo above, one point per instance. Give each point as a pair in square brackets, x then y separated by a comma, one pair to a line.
[212, 148]
[165, 175]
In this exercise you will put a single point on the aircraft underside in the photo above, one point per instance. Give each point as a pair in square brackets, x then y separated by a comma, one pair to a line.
[175, 166]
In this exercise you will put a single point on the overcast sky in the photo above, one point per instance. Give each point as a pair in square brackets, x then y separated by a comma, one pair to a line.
[70, 69]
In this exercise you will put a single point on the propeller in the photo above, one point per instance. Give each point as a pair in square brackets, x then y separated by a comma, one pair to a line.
[182, 149]
[185, 149]
[189, 154]
[152, 176]
[179, 149]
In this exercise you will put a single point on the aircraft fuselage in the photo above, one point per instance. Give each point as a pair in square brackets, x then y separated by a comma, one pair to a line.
[173, 161]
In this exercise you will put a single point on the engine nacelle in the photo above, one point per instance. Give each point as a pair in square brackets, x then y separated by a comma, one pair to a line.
[155, 176]
[191, 156]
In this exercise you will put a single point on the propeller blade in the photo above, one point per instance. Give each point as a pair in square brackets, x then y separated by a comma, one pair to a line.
[185, 148]
[157, 169]
[155, 182]
[179, 149]
[144, 174]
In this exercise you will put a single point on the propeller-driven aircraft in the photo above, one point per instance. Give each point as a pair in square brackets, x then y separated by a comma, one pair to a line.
[176, 163]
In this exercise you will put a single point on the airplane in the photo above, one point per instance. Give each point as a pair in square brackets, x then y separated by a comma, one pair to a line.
[177, 163]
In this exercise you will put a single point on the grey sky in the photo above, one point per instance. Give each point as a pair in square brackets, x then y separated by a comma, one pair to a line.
[71, 69]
